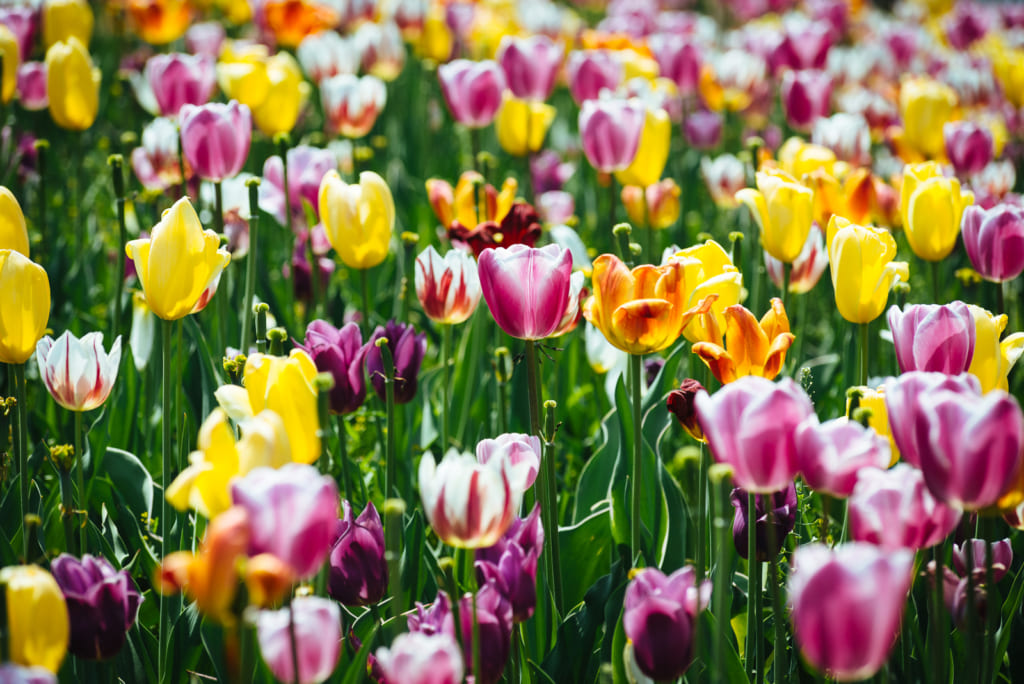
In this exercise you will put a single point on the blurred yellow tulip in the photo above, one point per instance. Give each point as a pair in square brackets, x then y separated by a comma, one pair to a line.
[12, 60]
[435, 42]
[13, 232]
[37, 617]
[993, 358]
[656, 206]
[926, 105]
[24, 306]
[931, 207]
[874, 401]
[358, 218]
[72, 85]
[784, 211]
[863, 270]
[287, 92]
[64, 19]
[521, 126]
[652, 154]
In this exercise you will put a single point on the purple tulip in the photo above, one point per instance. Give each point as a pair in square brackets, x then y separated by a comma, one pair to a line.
[751, 425]
[17, 674]
[659, 617]
[679, 60]
[178, 79]
[472, 90]
[358, 573]
[530, 65]
[590, 72]
[968, 146]
[418, 658]
[340, 353]
[902, 402]
[966, 24]
[102, 604]
[512, 564]
[1002, 558]
[806, 97]
[703, 129]
[526, 288]
[994, 240]
[784, 507]
[610, 131]
[831, 454]
[548, 172]
[293, 514]
[407, 350]
[216, 138]
[846, 606]
[933, 338]
[893, 509]
[317, 624]
[306, 168]
[300, 271]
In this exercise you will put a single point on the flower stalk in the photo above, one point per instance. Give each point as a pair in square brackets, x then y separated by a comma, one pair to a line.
[116, 163]
[253, 185]
[83, 499]
[635, 539]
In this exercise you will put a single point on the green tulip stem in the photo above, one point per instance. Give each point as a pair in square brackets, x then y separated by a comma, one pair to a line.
[722, 593]
[67, 500]
[181, 164]
[1001, 299]
[780, 656]
[446, 389]
[253, 185]
[390, 460]
[222, 302]
[971, 633]
[548, 463]
[166, 413]
[42, 151]
[367, 326]
[21, 444]
[339, 423]
[83, 499]
[865, 339]
[293, 642]
[935, 282]
[753, 593]
[937, 617]
[394, 512]
[635, 539]
[787, 271]
[991, 615]
[116, 163]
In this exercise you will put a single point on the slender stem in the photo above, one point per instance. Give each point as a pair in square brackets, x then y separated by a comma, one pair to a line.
[367, 327]
[935, 282]
[394, 510]
[992, 614]
[251, 264]
[551, 502]
[702, 482]
[864, 342]
[181, 164]
[343, 457]
[293, 643]
[1001, 298]
[83, 501]
[971, 635]
[636, 541]
[787, 270]
[116, 165]
[517, 654]
[314, 279]
[166, 420]
[68, 504]
[222, 302]
[611, 202]
[753, 590]
[780, 655]
[22, 445]
[937, 615]
[474, 150]
[477, 661]
[42, 152]
[722, 580]
[446, 393]
[390, 464]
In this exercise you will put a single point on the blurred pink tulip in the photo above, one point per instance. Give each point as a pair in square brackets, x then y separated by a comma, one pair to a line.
[703, 129]
[530, 65]
[472, 90]
[352, 104]
[216, 138]
[846, 134]
[804, 46]
[307, 166]
[994, 241]
[1002, 558]
[893, 509]
[590, 72]
[420, 658]
[968, 146]
[317, 624]
[526, 288]
[830, 455]
[32, 86]
[903, 397]
[610, 131]
[725, 175]
[178, 79]
[934, 338]
[22, 22]
[155, 161]
[806, 97]
[517, 453]
[679, 60]
[808, 267]
[78, 373]
[448, 287]
[205, 38]
[326, 54]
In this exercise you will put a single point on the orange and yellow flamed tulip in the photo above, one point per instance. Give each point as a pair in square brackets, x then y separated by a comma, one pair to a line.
[993, 358]
[522, 125]
[784, 211]
[64, 19]
[13, 231]
[863, 270]
[24, 306]
[931, 207]
[72, 85]
[159, 22]
[708, 270]
[358, 218]
[926, 105]
[35, 641]
[752, 347]
[652, 154]
[468, 204]
[292, 20]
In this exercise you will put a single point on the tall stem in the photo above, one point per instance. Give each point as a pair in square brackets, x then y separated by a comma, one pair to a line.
[787, 270]
[971, 635]
[250, 263]
[937, 615]
[222, 302]
[864, 341]
[935, 282]
[293, 642]
[343, 457]
[722, 580]
[780, 655]
[67, 499]
[991, 615]
[166, 413]
[22, 445]
[83, 500]
[116, 166]
[367, 327]
[548, 463]
[635, 539]
[753, 591]
[446, 391]
[389, 392]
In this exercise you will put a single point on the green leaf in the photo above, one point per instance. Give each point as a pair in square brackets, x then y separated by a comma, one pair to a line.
[132, 481]
[357, 669]
[585, 555]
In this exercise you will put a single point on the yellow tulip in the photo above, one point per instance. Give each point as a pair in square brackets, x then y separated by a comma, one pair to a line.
[64, 19]
[178, 262]
[358, 218]
[993, 358]
[652, 154]
[12, 59]
[287, 93]
[435, 42]
[752, 347]
[931, 206]
[874, 401]
[72, 85]
[13, 232]
[656, 206]
[24, 306]
[863, 270]
[784, 211]
[800, 158]
[521, 126]
[709, 271]
[925, 107]
[1008, 65]
[637, 65]
[37, 617]
[242, 73]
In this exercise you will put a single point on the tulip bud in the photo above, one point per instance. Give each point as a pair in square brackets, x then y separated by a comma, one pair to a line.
[24, 306]
[968, 146]
[530, 65]
[863, 270]
[925, 107]
[407, 349]
[522, 125]
[994, 241]
[929, 337]
[931, 207]
[591, 71]
[180, 79]
[526, 289]
[13, 231]
[352, 104]
[806, 97]
[216, 138]
[448, 288]
[359, 218]
[610, 131]
[472, 90]
[421, 658]
[681, 403]
[993, 358]
[316, 624]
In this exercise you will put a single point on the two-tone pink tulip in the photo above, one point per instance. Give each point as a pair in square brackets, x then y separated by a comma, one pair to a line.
[610, 132]
[806, 97]
[421, 658]
[590, 72]
[968, 146]
[472, 90]
[932, 337]
[316, 625]
[178, 79]
[526, 288]
[78, 372]
[530, 65]
[448, 287]
[832, 454]
[518, 454]
[994, 241]
[216, 138]
[903, 397]
[679, 60]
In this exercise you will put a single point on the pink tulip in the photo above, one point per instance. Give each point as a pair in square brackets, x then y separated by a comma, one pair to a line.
[420, 658]
[448, 287]
[179, 79]
[352, 104]
[530, 65]
[846, 134]
[832, 454]
[751, 425]
[216, 138]
[806, 97]
[590, 72]
[703, 129]
[317, 625]
[573, 308]
[155, 161]
[893, 509]
[293, 514]
[526, 288]
[518, 454]
[472, 90]
[78, 372]
[994, 240]
[903, 404]
[804, 46]
[808, 267]
[968, 146]
[847, 604]
[32, 86]
[933, 338]
[679, 60]
[610, 131]
[1002, 558]
[205, 38]
[23, 23]
[307, 166]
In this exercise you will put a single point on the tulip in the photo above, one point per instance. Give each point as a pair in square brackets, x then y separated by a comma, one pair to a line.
[407, 350]
[863, 270]
[16, 674]
[12, 67]
[205, 38]
[358, 571]
[993, 359]
[78, 372]
[359, 218]
[13, 231]
[301, 272]
[751, 425]
[468, 504]
[179, 79]
[679, 60]
[931, 206]
[159, 22]
[178, 262]
[968, 146]
[660, 618]
[805, 45]
[835, 594]
[472, 90]
[783, 209]
[339, 352]
[526, 289]
[307, 167]
[522, 125]
[925, 107]
[31, 82]
[846, 134]
[216, 138]
[72, 85]
[315, 623]
[770, 534]
[751, 347]
[682, 404]
[703, 129]
[287, 93]
[573, 309]
[994, 240]
[807, 268]
[731, 80]
[520, 226]
[530, 65]
[652, 151]
[22, 22]
[725, 176]
[591, 71]
[32, 592]
[610, 131]
[381, 48]
[420, 658]
[902, 401]
[1002, 558]
[515, 453]
[656, 206]
[548, 172]
[292, 20]
[326, 54]
[24, 306]
[467, 203]
[929, 337]
[806, 97]
[832, 455]
[448, 287]
[155, 161]
[511, 563]
[102, 604]
[352, 104]
[65, 19]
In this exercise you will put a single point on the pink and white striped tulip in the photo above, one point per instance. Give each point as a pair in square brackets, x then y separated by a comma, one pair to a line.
[832, 454]
[421, 658]
[448, 287]
[903, 396]
[526, 288]
[591, 71]
[78, 373]
[317, 624]
[472, 90]
[806, 97]
[179, 79]
[573, 310]
[994, 241]
[352, 104]
[519, 454]
[934, 338]
[530, 65]
[610, 131]
[216, 138]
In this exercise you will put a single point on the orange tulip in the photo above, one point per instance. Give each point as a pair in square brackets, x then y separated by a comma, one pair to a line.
[293, 20]
[751, 347]
[159, 21]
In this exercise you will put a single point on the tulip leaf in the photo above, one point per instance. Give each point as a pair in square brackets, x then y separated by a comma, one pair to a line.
[131, 480]
[584, 555]
[357, 668]
[592, 487]
[1010, 606]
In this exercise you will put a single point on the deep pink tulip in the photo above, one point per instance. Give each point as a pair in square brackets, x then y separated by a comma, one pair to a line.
[472, 90]
[520, 454]
[831, 454]
[966, 24]
[806, 97]
[893, 509]
[530, 65]
[903, 404]
[293, 514]
[420, 658]
[994, 240]
[216, 138]
[968, 146]
[23, 23]
[512, 564]
[526, 288]
[590, 72]
[703, 129]
[1002, 558]
[178, 79]
[32, 86]
[679, 59]
[751, 425]
[804, 46]
[808, 267]
[932, 337]
[847, 604]
[205, 38]
[317, 639]
[79, 373]
[306, 168]
[610, 131]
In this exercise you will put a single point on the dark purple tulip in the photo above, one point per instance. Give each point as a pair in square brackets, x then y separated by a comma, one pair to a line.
[994, 240]
[902, 403]
[933, 338]
[1002, 558]
[682, 404]
[300, 272]
[340, 353]
[102, 604]
[783, 520]
[512, 564]
[407, 350]
[703, 129]
[968, 146]
[358, 572]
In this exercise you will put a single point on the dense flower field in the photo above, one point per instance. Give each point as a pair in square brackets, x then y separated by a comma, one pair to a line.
[431, 341]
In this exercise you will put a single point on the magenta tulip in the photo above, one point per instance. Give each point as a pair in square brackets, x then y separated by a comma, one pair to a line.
[831, 454]
[806, 97]
[420, 658]
[530, 65]
[751, 425]
[216, 138]
[32, 93]
[847, 604]
[512, 564]
[770, 535]
[968, 146]
[703, 129]
[178, 79]
[902, 402]
[526, 288]
[317, 626]
[548, 172]
[679, 60]
[23, 23]
[933, 338]
[307, 166]
[590, 72]
[472, 90]
[804, 46]
[610, 131]
[994, 240]
[340, 352]
[1002, 558]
